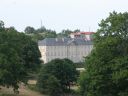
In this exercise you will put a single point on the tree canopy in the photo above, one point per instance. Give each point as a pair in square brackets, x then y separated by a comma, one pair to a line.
[1, 24]
[62, 69]
[107, 66]
[29, 30]
[19, 55]
[42, 33]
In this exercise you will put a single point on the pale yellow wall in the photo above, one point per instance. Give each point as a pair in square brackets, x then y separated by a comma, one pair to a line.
[74, 53]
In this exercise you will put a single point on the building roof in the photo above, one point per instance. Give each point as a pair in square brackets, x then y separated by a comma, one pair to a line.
[86, 33]
[64, 42]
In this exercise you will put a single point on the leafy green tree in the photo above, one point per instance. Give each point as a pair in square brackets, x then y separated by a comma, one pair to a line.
[62, 69]
[42, 83]
[67, 32]
[19, 55]
[77, 30]
[49, 84]
[11, 69]
[30, 53]
[10, 29]
[1, 24]
[54, 87]
[29, 30]
[50, 34]
[41, 30]
[107, 66]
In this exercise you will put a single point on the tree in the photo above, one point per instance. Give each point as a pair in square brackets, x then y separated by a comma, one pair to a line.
[65, 33]
[1, 24]
[11, 69]
[107, 65]
[19, 55]
[29, 30]
[30, 53]
[77, 30]
[50, 34]
[11, 29]
[62, 69]
[41, 30]
[49, 84]
[54, 87]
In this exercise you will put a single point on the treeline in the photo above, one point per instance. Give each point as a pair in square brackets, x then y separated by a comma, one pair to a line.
[41, 33]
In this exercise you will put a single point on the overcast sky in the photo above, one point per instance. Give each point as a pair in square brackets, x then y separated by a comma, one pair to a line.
[58, 14]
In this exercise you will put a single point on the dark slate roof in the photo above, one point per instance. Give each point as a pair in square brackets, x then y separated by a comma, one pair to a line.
[64, 42]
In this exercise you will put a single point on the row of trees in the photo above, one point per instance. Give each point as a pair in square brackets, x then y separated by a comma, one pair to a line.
[19, 56]
[41, 33]
[107, 66]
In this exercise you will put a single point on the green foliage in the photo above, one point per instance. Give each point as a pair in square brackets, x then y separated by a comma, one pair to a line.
[1, 24]
[29, 30]
[19, 55]
[107, 66]
[64, 73]
[54, 88]
[40, 33]
[66, 32]
[49, 84]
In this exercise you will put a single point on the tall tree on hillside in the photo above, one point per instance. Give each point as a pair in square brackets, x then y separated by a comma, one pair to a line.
[107, 66]
[41, 30]
[29, 30]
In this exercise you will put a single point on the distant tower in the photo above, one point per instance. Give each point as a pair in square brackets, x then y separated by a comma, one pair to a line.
[41, 23]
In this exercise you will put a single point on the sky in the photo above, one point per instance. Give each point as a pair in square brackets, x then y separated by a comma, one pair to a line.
[58, 14]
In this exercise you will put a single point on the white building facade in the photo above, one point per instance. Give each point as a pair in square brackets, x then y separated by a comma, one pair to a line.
[74, 49]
